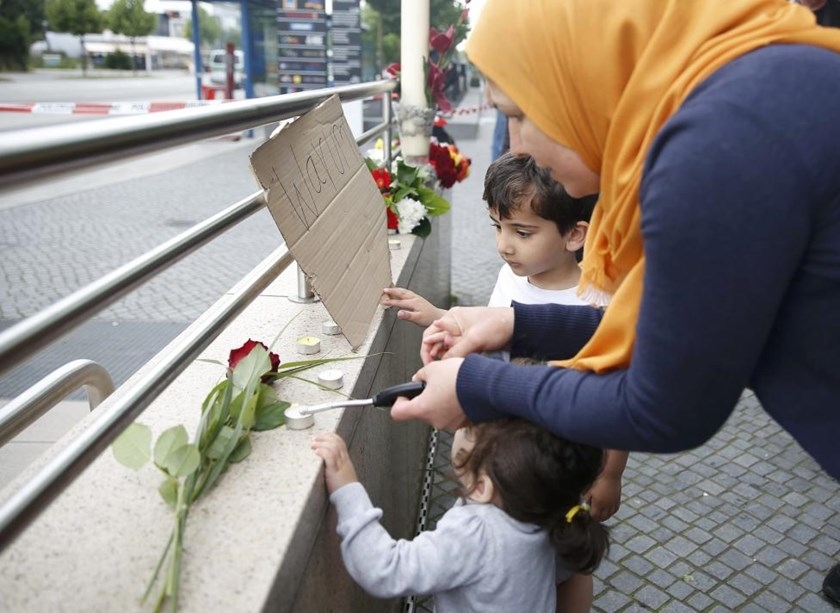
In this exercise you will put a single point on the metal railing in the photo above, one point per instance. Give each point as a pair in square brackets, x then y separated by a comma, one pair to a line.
[47, 152]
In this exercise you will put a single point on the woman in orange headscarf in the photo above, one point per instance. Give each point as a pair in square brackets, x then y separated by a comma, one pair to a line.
[713, 255]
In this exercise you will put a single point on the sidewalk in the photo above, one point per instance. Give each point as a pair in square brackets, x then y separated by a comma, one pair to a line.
[747, 522]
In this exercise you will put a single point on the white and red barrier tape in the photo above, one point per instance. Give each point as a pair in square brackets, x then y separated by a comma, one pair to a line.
[466, 110]
[136, 108]
[101, 108]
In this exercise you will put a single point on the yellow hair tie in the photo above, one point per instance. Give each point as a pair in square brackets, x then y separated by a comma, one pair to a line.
[574, 511]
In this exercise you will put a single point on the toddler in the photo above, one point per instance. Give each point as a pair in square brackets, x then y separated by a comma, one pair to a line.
[494, 550]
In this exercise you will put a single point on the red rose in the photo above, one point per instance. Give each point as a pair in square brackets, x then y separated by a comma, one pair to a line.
[393, 220]
[237, 355]
[382, 178]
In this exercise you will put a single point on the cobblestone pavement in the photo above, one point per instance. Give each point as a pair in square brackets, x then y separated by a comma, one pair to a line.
[52, 247]
[747, 522]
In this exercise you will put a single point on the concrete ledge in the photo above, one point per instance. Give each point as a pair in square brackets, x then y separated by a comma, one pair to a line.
[264, 538]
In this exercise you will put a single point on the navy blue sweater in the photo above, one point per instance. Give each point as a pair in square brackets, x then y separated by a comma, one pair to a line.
[740, 202]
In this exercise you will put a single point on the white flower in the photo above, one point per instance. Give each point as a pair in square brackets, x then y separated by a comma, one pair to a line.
[410, 212]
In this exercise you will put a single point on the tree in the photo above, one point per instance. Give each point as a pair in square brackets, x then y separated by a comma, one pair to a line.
[21, 24]
[77, 17]
[130, 18]
[209, 30]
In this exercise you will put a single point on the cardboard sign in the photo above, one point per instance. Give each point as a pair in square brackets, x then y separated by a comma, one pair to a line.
[330, 213]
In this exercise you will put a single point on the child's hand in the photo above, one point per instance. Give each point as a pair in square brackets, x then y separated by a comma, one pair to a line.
[605, 497]
[338, 469]
[413, 308]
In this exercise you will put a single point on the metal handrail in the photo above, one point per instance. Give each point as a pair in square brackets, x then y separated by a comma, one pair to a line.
[36, 401]
[36, 332]
[26, 155]
[34, 496]
[39, 156]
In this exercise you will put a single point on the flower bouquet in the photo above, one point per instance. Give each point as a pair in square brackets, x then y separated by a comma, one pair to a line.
[450, 165]
[409, 200]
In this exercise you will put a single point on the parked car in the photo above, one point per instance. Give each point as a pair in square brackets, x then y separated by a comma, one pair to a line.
[218, 74]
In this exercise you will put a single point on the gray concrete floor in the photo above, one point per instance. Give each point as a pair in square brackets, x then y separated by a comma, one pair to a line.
[747, 522]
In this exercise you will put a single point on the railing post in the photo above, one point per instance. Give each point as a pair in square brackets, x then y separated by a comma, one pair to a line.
[387, 119]
[304, 295]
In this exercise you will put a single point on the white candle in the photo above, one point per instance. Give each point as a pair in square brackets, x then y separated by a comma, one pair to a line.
[332, 379]
[414, 53]
[295, 420]
[308, 345]
[330, 328]
[394, 244]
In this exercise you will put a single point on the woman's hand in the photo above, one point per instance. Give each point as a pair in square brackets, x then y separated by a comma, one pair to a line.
[464, 330]
[438, 405]
[412, 307]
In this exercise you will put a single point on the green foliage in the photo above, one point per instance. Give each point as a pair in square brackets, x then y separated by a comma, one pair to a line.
[130, 18]
[209, 30]
[132, 447]
[119, 61]
[15, 38]
[77, 17]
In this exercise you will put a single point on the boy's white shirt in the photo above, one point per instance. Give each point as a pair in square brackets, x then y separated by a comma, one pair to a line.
[510, 287]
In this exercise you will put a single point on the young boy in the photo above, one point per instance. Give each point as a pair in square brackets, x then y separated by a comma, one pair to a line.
[540, 231]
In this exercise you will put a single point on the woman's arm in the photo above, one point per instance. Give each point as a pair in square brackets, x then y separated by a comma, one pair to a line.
[725, 221]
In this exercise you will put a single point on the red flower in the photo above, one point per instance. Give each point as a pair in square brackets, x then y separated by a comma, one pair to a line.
[393, 70]
[442, 162]
[441, 41]
[393, 220]
[382, 178]
[436, 83]
[237, 355]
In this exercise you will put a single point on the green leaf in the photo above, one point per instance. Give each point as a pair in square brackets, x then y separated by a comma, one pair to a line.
[371, 165]
[435, 204]
[182, 461]
[216, 416]
[242, 450]
[251, 368]
[406, 174]
[220, 442]
[169, 441]
[270, 416]
[249, 409]
[169, 491]
[422, 229]
[133, 447]
[405, 190]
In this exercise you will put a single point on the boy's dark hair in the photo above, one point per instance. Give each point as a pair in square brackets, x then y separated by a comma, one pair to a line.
[540, 477]
[513, 181]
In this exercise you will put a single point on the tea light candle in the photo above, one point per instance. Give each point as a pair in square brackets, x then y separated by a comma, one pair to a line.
[330, 328]
[308, 345]
[394, 244]
[332, 379]
[295, 420]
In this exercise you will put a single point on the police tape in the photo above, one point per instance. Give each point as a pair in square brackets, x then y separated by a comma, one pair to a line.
[466, 110]
[138, 108]
[101, 108]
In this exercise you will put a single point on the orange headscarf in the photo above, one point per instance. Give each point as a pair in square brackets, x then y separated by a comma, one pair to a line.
[601, 77]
